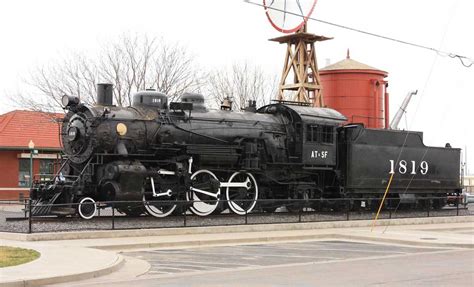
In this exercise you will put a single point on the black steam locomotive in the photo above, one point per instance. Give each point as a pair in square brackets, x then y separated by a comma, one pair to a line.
[160, 153]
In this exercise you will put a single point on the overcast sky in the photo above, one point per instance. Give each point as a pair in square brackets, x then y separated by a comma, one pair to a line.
[223, 32]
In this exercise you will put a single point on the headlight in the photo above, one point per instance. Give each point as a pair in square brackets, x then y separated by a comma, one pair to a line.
[67, 101]
[121, 129]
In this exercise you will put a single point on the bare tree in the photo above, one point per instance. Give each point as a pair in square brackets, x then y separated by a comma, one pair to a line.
[242, 82]
[174, 72]
[131, 63]
[73, 75]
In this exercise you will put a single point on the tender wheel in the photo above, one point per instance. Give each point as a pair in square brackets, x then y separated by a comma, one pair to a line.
[375, 204]
[422, 203]
[87, 208]
[204, 193]
[439, 203]
[242, 199]
[393, 202]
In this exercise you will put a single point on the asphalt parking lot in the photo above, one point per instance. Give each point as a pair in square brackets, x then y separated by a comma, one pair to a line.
[323, 262]
[314, 263]
[165, 262]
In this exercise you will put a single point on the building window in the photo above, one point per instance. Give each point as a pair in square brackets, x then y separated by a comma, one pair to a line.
[46, 169]
[24, 173]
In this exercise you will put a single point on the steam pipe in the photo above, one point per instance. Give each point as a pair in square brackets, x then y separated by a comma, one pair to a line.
[386, 109]
[398, 116]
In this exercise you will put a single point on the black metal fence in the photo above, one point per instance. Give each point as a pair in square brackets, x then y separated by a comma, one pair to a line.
[19, 217]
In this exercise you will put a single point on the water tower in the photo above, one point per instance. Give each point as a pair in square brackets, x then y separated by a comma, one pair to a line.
[358, 91]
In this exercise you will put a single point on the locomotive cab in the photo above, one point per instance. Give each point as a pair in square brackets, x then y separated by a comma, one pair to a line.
[319, 143]
[150, 98]
[311, 133]
[318, 135]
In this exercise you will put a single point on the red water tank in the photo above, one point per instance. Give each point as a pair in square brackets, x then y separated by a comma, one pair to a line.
[356, 90]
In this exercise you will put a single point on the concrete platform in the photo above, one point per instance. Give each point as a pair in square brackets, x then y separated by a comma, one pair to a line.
[90, 254]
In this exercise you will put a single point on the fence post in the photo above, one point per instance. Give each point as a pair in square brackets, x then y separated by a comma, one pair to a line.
[457, 205]
[29, 215]
[348, 208]
[428, 206]
[184, 214]
[300, 209]
[25, 203]
[246, 217]
[113, 216]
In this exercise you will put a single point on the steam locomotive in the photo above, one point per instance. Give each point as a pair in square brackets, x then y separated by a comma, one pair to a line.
[160, 153]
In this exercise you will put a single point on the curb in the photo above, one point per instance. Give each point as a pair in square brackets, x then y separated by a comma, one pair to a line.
[119, 262]
[405, 242]
[283, 238]
[215, 242]
[228, 229]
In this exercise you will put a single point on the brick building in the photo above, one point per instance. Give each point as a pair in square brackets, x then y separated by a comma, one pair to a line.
[25, 137]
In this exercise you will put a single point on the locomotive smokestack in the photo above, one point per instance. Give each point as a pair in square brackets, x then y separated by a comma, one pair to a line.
[105, 94]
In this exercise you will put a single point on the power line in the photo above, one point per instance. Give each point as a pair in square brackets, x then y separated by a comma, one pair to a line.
[465, 61]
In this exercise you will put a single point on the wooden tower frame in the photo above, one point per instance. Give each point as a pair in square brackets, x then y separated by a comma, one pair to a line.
[301, 60]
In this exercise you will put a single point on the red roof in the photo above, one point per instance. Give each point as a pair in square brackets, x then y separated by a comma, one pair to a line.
[17, 128]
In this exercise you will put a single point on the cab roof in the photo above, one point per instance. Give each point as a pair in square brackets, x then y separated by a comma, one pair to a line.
[306, 113]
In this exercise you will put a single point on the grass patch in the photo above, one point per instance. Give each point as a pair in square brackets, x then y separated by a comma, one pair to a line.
[11, 256]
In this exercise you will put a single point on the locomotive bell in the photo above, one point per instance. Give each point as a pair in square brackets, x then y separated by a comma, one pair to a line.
[226, 104]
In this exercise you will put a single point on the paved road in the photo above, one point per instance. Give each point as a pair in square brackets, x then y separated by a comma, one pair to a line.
[317, 263]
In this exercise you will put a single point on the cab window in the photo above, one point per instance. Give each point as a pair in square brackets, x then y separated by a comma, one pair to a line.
[321, 134]
[327, 134]
[311, 133]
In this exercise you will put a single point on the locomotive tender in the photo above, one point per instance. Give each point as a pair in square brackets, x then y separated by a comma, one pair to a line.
[159, 153]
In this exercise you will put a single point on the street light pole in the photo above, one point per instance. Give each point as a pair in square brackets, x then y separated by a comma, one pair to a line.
[31, 146]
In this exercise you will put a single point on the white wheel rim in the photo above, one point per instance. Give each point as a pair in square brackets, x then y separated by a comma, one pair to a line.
[234, 206]
[91, 202]
[155, 211]
[199, 207]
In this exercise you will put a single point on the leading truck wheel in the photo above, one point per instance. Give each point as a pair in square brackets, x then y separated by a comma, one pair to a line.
[87, 208]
